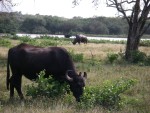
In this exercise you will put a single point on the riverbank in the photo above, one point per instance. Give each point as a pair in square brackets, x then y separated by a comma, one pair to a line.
[95, 37]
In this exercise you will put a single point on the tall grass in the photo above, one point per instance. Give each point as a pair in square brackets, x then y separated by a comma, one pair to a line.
[5, 42]
[136, 99]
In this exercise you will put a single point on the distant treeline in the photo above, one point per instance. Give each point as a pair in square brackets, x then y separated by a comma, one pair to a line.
[39, 24]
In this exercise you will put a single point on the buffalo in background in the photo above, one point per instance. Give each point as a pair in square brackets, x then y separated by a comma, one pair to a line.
[80, 39]
[29, 60]
[67, 35]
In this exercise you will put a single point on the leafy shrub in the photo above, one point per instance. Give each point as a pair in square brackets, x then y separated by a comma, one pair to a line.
[47, 87]
[14, 37]
[42, 43]
[112, 57]
[107, 41]
[45, 43]
[138, 57]
[25, 39]
[108, 95]
[4, 43]
[28, 40]
[145, 43]
[78, 57]
[147, 61]
[110, 92]
[88, 100]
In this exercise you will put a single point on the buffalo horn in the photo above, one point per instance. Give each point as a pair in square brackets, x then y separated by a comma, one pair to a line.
[68, 78]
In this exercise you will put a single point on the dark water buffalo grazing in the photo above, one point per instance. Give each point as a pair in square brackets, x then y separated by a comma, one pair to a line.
[67, 35]
[29, 60]
[80, 39]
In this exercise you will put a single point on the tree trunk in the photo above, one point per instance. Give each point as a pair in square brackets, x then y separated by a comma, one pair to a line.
[132, 45]
[134, 33]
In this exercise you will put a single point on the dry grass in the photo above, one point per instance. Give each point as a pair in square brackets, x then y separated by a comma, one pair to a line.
[3, 52]
[97, 74]
[99, 51]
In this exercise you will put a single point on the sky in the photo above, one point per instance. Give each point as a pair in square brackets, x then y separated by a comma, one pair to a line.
[64, 8]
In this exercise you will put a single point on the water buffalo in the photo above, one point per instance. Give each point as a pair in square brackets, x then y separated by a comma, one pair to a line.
[80, 39]
[29, 60]
[67, 35]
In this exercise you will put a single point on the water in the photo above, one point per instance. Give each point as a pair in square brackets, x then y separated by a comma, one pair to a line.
[38, 35]
[107, 38]
[62, 36]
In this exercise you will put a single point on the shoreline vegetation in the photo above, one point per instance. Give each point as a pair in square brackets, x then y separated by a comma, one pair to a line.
[27, 38]
[113, 85]
[88, 35]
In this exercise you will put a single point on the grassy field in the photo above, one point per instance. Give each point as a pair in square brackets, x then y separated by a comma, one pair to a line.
[137, 97]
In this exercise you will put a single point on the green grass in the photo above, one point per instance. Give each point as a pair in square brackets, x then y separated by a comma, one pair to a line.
[136, 99]
[4, 42]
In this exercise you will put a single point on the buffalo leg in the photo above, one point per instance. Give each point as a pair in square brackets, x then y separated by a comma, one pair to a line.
[11, 87]
[18, 87]
[15, 82]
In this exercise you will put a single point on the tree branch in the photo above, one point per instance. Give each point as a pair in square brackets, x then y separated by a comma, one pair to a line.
[118, 5]
[7, 4]
[75, 2]
[145, 29]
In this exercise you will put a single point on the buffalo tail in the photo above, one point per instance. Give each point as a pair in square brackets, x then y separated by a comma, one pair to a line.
[8, 74]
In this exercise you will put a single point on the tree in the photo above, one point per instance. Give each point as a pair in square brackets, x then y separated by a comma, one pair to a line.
[6, 5]
[34, 25]
[67, 27]
[97, 27]
[53, 24]
[8, 23]
[137, 15]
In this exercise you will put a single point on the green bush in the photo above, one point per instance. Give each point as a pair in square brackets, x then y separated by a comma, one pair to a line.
[109, 95]
[145, 43]
[42, 43]
[147, 61]
[78, 57]
[25, 39]
[5, 43]
[45, 43]
[107, 41]
[112, 57]
[48, 87]
[28, 40]
[14, 37]
[138, 57]
[88, 100]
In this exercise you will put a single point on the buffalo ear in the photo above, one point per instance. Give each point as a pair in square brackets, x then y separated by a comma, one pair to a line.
[80, 73]
[85, 75]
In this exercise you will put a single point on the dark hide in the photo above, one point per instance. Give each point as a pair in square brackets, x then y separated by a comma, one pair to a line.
[80, 39]
[29, 60]
[67, 35]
